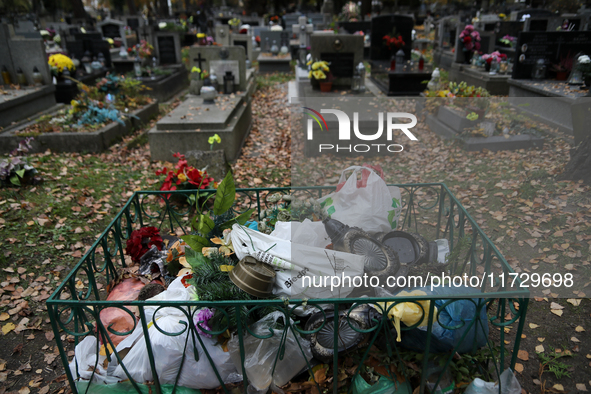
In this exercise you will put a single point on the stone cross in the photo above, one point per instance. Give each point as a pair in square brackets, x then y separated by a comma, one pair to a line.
[200, 60]
[304, 30]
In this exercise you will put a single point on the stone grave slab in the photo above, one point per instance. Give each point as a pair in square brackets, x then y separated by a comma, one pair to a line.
[497, 84]
[343, 51]
[168, 47]
[96, 141]
[547, 100]
[189, 126]
[271, 64]
[449, 123]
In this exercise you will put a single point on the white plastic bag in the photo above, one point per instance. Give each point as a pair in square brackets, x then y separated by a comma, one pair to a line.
[509, 385]
[168, 350]
[260, 354]
[299, 268]
[370, 204]
[85, 362]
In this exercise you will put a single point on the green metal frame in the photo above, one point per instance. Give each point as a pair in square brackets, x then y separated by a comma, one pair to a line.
[430, 209]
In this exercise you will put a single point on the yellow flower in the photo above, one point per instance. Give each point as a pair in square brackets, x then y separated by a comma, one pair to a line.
[319, 74]
[310, 74]
[214, 138]
[195, 70]
[200, 35]
[325, 68]
[309, 62]
[182, 177]
[315, 66]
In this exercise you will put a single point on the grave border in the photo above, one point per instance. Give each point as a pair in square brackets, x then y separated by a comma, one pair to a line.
[89, 142]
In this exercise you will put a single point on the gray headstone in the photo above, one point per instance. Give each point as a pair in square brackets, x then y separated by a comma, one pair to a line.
[244, 40]
[267, 37]
[168, 47]
[343, 51]
[112, 28]
[303, 29]
[23, 53]
[222, 35]
[203, 56]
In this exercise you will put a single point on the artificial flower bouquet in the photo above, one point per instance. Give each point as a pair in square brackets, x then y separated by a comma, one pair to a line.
[470, 39]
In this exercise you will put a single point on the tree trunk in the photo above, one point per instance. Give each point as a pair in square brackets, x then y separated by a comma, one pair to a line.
[131, 8]
[78, 9]
[162, 8]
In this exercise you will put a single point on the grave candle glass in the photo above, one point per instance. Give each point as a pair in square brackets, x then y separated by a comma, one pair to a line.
[86, 63]
[539, 70]
[6, 76]
[137, 67]
[421, 63]
[393, 63]
[228, 83]
[274, 48]
[361, 70]
[355, 82]
[21, 78]
[37, 77]
[399, 60]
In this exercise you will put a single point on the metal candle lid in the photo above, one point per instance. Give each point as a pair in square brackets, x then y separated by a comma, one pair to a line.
[254, 277]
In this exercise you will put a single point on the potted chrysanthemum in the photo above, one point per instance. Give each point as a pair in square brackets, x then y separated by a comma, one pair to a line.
[320, 74]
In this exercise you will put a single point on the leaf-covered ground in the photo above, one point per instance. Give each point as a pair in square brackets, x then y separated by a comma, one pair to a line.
[536, 222]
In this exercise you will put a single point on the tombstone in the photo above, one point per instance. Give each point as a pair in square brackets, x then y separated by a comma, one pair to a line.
[387, 24]
[548, 46]
[112, 28]
[343, 51]
[267, 37]
[222, 35]
[168, 47]
[303, 29]
[244, 40]
[553, 24]
[189, 126]
[134, 22]
[26, 29]
[522, 15]
[291, 19]
[218, 60]
[327, 11]
[257, 30]
[447, 32]
[26, 54]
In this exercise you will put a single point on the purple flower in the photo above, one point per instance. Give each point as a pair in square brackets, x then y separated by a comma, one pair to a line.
[201, 319]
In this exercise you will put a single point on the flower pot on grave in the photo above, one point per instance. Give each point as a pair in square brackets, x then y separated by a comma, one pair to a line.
[325, 86]
[195, 86]
[487, 66]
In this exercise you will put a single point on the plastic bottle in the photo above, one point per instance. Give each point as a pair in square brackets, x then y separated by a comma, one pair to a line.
[478, 386]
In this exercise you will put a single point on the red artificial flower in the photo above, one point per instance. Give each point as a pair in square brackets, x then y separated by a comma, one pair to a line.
[141, 241]
[467, 39]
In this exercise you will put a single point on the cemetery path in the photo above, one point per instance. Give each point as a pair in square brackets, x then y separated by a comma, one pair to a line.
[536, 222]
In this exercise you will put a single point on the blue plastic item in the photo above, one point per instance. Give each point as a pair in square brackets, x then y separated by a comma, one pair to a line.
[460, 314]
